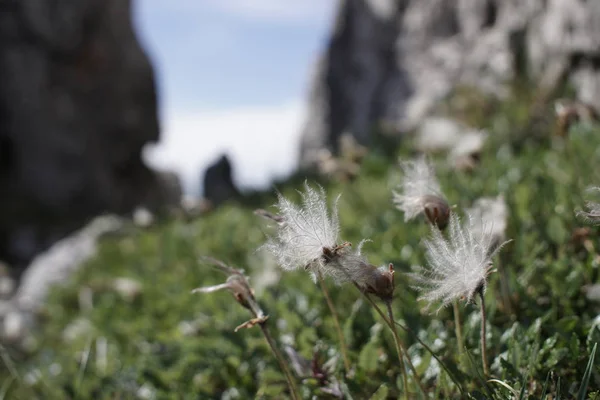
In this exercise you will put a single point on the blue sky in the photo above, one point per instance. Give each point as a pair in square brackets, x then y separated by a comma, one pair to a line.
[233, 76]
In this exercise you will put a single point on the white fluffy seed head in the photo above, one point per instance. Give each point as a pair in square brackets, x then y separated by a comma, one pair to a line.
[420, 192]
[468, 144]
[437, 134]
[306, 230]
[457, 267]
[307, 237]
[494, 211]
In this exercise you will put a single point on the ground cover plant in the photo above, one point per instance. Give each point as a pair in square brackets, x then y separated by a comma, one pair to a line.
[542, 314]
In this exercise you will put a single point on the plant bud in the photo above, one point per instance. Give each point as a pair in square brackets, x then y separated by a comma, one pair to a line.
[436, 210]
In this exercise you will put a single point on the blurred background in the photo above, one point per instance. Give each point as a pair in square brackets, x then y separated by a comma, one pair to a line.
[240, 68]
[147, 108]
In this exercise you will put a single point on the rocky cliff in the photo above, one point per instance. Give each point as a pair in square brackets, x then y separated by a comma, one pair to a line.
[77, 104]
[388, 62]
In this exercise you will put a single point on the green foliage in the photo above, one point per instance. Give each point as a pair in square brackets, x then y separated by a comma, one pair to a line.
[169, 344]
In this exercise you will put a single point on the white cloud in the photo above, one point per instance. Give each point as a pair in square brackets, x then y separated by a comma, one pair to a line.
[262, 143]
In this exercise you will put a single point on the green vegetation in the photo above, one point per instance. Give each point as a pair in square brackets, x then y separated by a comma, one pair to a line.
[166, 343]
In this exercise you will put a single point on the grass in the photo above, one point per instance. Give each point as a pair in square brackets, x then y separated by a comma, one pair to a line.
[168, 344]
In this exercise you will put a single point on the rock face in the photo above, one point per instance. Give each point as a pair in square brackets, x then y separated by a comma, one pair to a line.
[390, 61]
[77, 104]
[218, 185]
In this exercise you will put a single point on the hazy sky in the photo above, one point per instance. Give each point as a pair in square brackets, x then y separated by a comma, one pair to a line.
[233, 75]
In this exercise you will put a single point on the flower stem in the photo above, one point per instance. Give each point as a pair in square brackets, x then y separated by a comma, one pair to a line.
[286, 371]
[399, 346]
[444, 366]
[505, 290]
[458, 327]
[336, 321]
[486, 370]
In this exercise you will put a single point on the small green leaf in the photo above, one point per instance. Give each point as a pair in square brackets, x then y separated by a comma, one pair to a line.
[556, 230]
[381, 393]
[545, 388]
[586, 375]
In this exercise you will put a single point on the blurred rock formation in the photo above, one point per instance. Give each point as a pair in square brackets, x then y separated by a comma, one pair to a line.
[218, 185]
[77, 104]
[171, 188]
[389, 62]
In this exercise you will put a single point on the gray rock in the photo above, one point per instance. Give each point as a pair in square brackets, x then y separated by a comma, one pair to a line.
[18, 315]
[170, 187]
[57, 264]
[390, 62]
[77, 104]
[218, 185]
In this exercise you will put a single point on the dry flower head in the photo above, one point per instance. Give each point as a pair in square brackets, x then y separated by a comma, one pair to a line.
[437, 134]
[238, 285]
[465, 155]
[457, 267]
[494, 211]
[307, 237]
[420, 193]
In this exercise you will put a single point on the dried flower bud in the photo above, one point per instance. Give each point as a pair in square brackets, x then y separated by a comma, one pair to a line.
[381, 282]
[570, 112]
[238, 285]
[436, 210]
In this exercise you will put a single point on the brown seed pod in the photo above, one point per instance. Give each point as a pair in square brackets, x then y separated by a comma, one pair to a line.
[436, 210]
[382, 283]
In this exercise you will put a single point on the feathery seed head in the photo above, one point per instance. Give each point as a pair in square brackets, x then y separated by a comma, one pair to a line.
[419, 192]
[303, 232]
[307, 237]
[457, 267]
[494, 211]
[466, 154]
[437, 134]
[469, 144]
[592, 214]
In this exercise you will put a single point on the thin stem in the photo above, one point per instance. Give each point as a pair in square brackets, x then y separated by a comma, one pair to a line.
[486, 370]
[336, 321]
[408, 360]
[414, 334]
[458, 327]
[288, 375]
[399, 343]
[399, 347]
